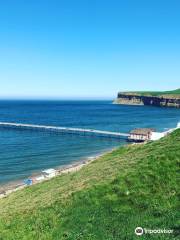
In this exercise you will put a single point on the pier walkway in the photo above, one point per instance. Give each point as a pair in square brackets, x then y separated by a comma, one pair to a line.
[81, 131]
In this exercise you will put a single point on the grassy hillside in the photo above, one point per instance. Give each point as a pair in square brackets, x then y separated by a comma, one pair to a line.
[175, 93]
[106, 200]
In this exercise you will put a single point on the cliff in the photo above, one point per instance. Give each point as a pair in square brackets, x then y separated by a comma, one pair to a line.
[160, 100]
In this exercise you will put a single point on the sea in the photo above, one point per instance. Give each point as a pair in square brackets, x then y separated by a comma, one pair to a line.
[27, 152]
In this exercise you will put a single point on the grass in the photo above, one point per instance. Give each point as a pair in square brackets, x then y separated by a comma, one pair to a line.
[132, 186]
[160, 93]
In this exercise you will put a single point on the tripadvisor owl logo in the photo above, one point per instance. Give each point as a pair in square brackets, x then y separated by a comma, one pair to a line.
[139, 231]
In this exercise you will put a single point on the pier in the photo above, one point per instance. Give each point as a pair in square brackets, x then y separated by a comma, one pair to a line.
[58, 129]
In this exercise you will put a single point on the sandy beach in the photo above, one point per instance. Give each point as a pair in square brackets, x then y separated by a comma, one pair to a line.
[9, 188]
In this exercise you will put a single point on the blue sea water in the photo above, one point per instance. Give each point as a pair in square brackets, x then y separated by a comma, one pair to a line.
[24, 152]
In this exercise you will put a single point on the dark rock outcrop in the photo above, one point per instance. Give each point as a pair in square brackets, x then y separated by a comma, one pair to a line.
[136, 99]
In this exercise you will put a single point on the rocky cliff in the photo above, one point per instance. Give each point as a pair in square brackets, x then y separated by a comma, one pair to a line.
[138, 99]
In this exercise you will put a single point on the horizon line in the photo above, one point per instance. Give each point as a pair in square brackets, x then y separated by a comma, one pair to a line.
[56, 99]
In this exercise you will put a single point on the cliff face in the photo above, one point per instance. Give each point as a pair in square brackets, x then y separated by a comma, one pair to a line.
[135, 99]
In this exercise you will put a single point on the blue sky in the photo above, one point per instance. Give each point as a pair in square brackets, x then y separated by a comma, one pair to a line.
[88, 49]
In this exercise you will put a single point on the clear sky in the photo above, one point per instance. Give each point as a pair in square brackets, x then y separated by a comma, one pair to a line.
[88, 49]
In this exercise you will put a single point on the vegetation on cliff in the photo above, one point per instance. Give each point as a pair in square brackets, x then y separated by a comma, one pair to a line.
[132, 186]
[173, 93]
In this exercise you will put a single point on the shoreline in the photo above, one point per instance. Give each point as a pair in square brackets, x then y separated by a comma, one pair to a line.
[5, 190]
[9, 188]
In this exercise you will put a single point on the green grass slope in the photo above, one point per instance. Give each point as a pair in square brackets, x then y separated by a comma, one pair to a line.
[106, 200]
[175, 93]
